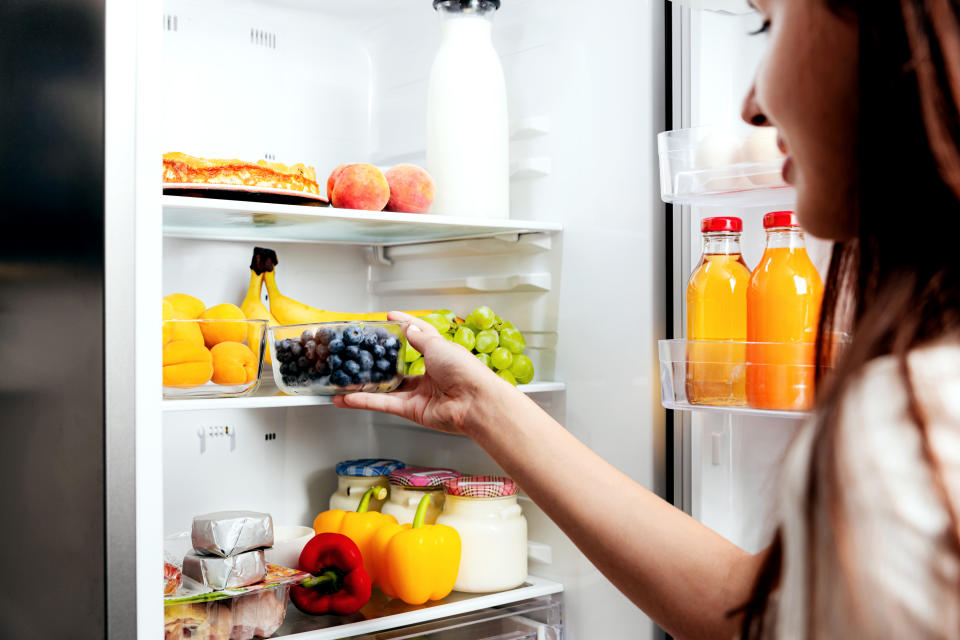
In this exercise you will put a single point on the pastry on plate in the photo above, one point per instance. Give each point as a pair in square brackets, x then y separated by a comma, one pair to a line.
[183, 169]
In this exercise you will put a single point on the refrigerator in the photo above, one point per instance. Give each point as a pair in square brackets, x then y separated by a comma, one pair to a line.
[591, 266]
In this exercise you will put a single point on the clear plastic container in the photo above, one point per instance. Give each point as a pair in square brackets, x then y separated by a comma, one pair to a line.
[212, 358]
[257, 614]
[331, 358]
[710, 166]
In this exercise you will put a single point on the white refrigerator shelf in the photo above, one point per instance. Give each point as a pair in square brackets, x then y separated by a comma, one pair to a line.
[737, 410]
[301, 627]
[229, 220]
[268, 397]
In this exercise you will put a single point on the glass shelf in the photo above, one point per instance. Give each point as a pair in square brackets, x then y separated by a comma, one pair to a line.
[381, 613]
[734, 7]
[212, 219]
[268, 397]
[719, 370]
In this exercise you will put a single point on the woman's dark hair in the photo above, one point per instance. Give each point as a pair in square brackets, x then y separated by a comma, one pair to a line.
[896, 286]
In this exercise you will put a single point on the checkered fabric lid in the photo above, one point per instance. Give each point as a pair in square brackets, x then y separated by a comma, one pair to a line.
[481, 487]
[422, 477]
[368, 467]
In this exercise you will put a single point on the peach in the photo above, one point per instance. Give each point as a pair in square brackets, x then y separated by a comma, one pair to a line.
[233, 363]
[332, 180]
[228, 331]
[360, 186]
[411, 189]
[186, 364]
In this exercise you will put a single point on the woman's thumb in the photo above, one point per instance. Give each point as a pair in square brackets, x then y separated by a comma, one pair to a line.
[417, 337]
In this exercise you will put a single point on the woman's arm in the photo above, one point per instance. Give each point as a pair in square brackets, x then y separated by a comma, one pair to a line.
[682, 574]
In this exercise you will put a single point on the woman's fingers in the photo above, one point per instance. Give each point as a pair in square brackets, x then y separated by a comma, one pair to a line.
[382, 402]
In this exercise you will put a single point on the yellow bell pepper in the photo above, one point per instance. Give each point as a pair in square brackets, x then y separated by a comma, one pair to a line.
[417, 562]
[360, 525]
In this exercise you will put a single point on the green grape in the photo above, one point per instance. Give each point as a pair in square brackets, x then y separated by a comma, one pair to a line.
[522, 369]
[506, 375]
[512, 340]
[497, 322]
[485, 359]
[448, 337]
[449, 315]
[487, 341]
[506, 324]
[465, 337]
[439, 322]
[409, 353]
[417, 368]
[502, 359]
[482, 318]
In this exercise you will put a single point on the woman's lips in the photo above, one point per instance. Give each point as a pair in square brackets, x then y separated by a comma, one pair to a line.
[787, 171]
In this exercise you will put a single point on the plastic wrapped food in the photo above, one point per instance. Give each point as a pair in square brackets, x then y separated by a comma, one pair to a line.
[227, 533]
[172, 577]
[218, 573]
[252, 615]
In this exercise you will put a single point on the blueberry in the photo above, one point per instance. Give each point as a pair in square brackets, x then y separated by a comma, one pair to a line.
[391, 343]
[392, 355]
[363, 377]
[303, 363]
[323, 336]
[335, 362]
[282, 355]
[352, 352]
[352, 335]
[336, 345]
[284, 370]
[306, 336]
[313, 374]
[311, 347]
[340, 378]
[383, 364]
[287, 343]
[377, 376]
[381, 333]
[366, 361]
[378, 351]
[370, 341]
[296, 350]
[351, 367]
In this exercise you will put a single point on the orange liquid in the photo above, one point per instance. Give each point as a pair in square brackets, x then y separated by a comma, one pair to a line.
[717, 310]
[783, 307]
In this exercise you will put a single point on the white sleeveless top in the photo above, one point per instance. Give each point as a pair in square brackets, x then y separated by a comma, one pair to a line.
[904, 578]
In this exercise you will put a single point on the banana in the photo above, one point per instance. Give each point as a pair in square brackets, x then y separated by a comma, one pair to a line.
[254, 309]
[286, 310]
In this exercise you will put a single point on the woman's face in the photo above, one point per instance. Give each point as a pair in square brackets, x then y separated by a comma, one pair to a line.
[806, 87]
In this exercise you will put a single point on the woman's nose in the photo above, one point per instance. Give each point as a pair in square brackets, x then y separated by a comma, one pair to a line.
[751, 111]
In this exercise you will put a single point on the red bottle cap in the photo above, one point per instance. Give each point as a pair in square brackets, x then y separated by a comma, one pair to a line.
[780, 219]
[713, 225]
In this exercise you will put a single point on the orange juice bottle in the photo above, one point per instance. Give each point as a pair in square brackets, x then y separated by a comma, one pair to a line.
[783, 311]
[717, 317]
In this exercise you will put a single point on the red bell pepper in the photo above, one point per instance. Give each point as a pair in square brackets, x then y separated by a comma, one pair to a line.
[339, 585]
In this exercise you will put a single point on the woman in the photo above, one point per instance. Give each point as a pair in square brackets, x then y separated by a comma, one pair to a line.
[866, 97]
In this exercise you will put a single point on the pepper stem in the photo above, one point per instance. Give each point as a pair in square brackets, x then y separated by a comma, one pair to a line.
[373, 492]
[421, 513]
[327, 577]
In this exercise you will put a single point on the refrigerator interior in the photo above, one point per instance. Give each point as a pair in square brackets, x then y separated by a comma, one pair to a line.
[325, 82]
[732, 456]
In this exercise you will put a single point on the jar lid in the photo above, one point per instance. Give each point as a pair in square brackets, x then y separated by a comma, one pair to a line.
[422, 476]
[465, 4]
[368, 467]
[724, 223]
[481, 487]
[780, 219]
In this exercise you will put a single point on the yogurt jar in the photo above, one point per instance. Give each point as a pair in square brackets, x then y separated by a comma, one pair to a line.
[354, 477]
[493, 532]
[408, 486]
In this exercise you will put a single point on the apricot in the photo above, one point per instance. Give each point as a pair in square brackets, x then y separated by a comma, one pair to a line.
[217, 332]
[332, 180]
[234, 363]
[186, 364]
[411, 189]
[168, 313]
[189, 331]
[190, 307]
[360, 186]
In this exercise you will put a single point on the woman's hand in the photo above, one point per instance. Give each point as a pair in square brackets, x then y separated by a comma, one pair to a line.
[447, 396]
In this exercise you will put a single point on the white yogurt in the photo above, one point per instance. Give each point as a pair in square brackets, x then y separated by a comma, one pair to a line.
[403, 503]
[350, 490]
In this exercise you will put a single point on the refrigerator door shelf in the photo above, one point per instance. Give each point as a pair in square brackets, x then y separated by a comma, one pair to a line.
[735, 7]
[229, 220]
[714, 166]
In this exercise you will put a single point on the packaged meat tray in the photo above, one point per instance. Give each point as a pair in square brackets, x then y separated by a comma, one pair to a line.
[257, 614]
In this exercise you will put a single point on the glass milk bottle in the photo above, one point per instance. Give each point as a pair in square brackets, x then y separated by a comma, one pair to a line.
[468, 146]
[493, 533]
[408, 486]
[354, 477]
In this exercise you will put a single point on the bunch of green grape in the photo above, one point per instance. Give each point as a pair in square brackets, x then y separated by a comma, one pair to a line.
[493, 340]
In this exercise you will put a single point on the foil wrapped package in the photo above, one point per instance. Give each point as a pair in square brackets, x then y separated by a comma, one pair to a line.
[227, 533]
[219, 573]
